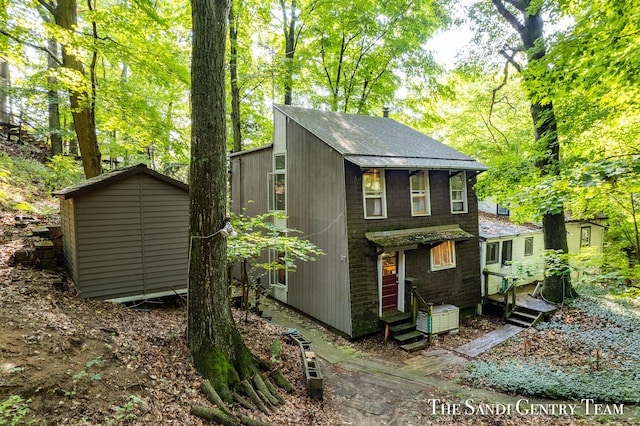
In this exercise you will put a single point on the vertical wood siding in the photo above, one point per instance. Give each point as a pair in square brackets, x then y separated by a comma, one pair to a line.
[68, 225]
[316, 206]
[249, 182]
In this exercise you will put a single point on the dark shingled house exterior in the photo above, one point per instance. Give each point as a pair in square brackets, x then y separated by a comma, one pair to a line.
[392, 208]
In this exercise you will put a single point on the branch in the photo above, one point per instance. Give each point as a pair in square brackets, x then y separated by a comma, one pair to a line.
[35, 46]
[49, 6]
[510, 17]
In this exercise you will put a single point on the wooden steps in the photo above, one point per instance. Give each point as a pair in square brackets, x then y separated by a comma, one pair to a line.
[524, 317]
[402, 329]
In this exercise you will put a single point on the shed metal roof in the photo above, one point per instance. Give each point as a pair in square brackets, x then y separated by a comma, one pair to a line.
[379, 141]
[105, 179]
[414, 236]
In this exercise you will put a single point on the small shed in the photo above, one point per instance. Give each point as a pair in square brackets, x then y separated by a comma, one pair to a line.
[125, 234]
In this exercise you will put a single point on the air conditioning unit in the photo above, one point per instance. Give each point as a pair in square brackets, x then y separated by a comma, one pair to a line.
[446, 318]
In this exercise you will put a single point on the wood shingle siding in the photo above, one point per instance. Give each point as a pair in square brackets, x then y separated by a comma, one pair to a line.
[125, 235]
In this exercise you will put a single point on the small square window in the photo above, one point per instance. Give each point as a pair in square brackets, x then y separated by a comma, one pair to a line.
[443, 256]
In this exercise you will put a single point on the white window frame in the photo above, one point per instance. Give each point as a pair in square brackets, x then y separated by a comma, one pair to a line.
[458, 196]
[272, 178]
[420, 193]
[369, 195]
[528, 246]
[439, 263]
[274, 274]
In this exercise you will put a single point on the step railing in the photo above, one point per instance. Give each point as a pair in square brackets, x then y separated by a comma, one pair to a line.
[418, 301]
[509, 290]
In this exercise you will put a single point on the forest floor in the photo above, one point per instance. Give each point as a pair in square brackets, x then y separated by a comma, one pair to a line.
[69, 361]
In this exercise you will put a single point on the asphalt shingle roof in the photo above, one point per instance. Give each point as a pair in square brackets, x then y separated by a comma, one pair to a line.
[379, 141]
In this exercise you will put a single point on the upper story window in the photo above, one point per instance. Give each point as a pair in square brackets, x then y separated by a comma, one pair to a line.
[528, 246]
[585, 236]
[420, 203]
[458, 188]
[443, 256]
[373, 189]
[277, 184]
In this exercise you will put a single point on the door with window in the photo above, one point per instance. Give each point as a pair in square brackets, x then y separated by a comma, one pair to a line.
[390, 277]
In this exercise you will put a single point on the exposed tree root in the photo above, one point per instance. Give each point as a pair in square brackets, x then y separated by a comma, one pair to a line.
[253, 396]
[244, 402]
[213, 396]
[212, 413]
[281, 380]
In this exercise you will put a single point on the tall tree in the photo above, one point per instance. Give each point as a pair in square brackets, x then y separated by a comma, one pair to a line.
[525, 17]
[81, 99]
[218, 351]
[236, 125]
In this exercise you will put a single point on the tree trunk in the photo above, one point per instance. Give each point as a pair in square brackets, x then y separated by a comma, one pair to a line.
[233, 74]
[556, 286]
[289, 29]
[218, 351]
[55, 134]
[79, 97]
[5, 117]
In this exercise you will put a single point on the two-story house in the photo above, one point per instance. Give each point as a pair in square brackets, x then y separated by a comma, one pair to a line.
[391, 207]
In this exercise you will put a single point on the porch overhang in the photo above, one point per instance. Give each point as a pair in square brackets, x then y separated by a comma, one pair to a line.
[406, 239]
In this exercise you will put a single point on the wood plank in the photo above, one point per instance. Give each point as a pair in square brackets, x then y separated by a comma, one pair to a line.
[489, 340]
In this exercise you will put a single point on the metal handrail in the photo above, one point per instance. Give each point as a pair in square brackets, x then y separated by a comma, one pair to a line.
[416, 300]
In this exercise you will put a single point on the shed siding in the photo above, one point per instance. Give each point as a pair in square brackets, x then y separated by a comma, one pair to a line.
[459, 286]
[316, 206]
[132, 238]
[68, 226]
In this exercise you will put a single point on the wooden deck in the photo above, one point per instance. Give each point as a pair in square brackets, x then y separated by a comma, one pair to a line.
[525, 300]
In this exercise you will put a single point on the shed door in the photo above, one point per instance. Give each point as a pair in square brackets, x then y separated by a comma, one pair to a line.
[389, 281]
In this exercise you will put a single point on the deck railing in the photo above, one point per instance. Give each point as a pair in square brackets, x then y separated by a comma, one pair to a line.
[509, 290]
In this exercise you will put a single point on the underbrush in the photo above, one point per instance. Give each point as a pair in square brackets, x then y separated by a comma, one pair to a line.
[602, 363]
[26, 184]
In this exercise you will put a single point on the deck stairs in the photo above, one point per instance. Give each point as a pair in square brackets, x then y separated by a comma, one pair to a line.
[402, 329]
[524, 317]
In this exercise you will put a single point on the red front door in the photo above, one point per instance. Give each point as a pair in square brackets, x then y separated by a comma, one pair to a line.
[389, 281]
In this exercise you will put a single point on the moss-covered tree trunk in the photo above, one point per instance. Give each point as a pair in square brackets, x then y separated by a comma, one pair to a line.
[218, 351]
[556, 285]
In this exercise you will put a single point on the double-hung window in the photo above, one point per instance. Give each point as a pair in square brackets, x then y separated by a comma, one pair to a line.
[373, 189]
[443, 256]
[277, 184]
[458, 189]
[419, 183]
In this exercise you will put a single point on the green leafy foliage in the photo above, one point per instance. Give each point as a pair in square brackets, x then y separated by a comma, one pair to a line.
[13, 410]
[259, 233]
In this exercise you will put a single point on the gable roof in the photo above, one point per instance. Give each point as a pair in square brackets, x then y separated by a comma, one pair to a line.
[105, 179]
[379, 141]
